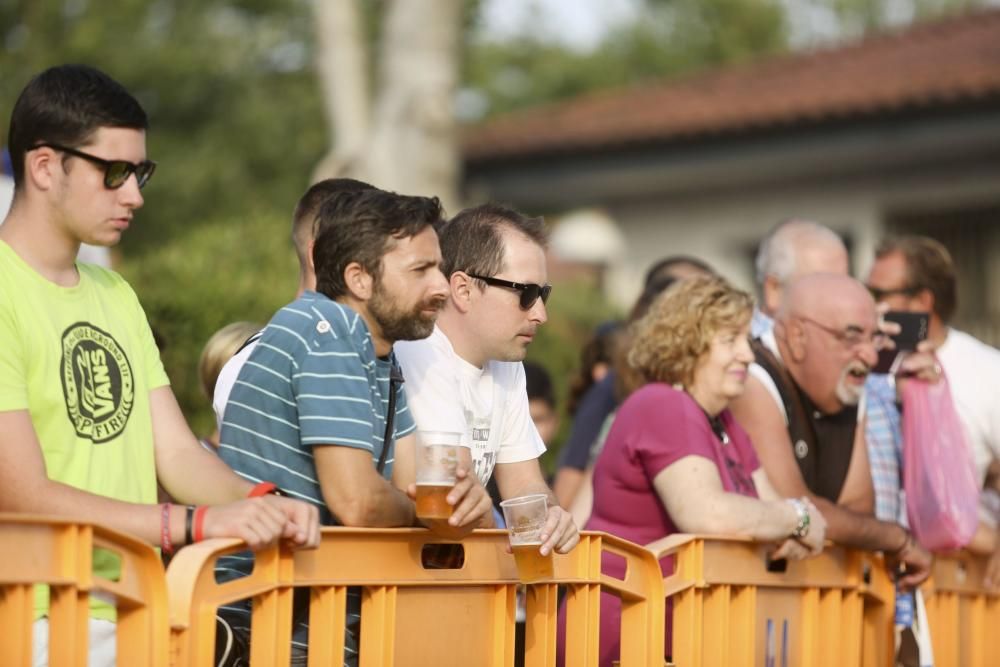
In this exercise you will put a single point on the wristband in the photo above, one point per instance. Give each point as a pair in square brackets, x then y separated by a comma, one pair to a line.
[262, 489]
[165, 544]
[802, 509]
[189, 516]
[199, 523]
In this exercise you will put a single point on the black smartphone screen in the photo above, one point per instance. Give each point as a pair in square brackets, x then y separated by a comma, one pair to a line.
[913, 330]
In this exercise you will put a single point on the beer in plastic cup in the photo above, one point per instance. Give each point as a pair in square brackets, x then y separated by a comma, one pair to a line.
[525, 518]
[437, 461]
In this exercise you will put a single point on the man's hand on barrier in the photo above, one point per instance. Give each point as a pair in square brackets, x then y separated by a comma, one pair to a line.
[301, 521]
[912, 564]
[560, 532]
[262, 521]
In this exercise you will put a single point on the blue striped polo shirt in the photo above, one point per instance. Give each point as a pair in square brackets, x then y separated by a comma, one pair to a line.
[313, 379]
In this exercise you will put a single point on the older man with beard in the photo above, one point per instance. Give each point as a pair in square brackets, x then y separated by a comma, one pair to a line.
[801, 410]
[319, 404]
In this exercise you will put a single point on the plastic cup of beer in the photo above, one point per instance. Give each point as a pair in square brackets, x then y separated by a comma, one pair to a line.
[437, 461]
[525, 518]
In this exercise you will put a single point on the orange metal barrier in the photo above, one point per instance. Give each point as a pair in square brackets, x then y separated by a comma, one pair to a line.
[57, 552]
[731, 607]
[412, 615]
[964, 620]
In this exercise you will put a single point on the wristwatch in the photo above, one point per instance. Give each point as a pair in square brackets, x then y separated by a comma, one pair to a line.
[802, 509]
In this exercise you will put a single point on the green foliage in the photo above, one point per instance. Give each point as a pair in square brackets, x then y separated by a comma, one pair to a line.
[671, 37]
[236, 120]
[858, 17]
[194, 284]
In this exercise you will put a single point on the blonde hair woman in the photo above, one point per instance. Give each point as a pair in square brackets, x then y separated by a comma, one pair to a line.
[675, 460]
[219, 349]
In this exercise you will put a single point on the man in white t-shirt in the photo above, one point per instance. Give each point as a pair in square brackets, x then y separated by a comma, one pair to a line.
[467, 376]
[304, 233]
[916, 274]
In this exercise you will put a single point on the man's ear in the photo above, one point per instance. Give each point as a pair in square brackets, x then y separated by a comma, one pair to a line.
[309, 256]
[359, 282]
[771, 293]
[462, 291]
[795, 338]
[39, 166]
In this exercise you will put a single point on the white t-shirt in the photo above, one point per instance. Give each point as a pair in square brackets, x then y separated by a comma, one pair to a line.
[973, 371]
[227, 378]
[488, 405]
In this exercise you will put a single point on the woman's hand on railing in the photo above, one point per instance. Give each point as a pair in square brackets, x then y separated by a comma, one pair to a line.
[810, 544]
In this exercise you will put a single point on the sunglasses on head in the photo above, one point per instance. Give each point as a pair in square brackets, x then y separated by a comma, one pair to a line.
[116, 172]
[529, 292]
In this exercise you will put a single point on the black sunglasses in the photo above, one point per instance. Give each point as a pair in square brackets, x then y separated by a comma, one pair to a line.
[116, 172]
[880, 294]
[529, 292]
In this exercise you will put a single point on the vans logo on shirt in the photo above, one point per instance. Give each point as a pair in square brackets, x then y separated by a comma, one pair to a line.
[97, 382]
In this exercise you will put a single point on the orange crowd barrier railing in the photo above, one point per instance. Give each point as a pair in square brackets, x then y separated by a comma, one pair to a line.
[964, 619]
[412, 614]
[732, 606]
[59, 553]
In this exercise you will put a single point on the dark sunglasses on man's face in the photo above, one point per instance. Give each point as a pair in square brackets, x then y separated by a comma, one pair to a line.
[116, 172]
[882, 294]
[529, 292]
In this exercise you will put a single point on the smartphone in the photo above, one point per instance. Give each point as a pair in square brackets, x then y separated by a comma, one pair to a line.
[913, 329]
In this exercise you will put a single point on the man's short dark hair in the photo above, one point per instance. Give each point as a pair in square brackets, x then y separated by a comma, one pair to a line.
[362, 227]
[666, 266]
[304, 217]
[472, 241]
[928, 267]
[539, 384]
[66, 105]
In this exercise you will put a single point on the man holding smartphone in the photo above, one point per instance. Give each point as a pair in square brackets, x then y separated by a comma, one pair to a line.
[915, 274]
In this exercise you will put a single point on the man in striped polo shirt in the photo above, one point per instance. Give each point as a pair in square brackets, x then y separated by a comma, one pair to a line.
[310, 407]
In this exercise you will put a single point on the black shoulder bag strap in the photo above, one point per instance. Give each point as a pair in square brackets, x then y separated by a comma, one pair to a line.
[252, 339]
[395, 379]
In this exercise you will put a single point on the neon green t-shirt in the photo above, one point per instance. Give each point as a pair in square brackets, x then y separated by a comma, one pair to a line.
[82, 361]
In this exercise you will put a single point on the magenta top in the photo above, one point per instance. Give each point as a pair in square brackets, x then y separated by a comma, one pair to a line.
[655, 427]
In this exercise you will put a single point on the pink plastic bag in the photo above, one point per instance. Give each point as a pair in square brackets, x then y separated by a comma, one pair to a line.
[939, 476]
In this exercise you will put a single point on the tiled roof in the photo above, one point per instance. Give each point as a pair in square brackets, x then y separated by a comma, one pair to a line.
[954, 61]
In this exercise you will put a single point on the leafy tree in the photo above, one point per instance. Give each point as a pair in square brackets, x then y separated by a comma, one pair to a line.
[671, 37]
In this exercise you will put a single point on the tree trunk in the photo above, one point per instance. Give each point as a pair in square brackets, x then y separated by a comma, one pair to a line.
[409, 143]
[342, 67]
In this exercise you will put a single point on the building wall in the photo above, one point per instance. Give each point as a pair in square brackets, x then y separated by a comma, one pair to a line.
[716, 198]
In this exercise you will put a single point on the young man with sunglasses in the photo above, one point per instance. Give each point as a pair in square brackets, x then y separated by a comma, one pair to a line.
[467, 376]
[88, 422]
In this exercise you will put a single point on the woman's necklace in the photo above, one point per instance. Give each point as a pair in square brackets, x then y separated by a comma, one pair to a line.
[717, 428]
